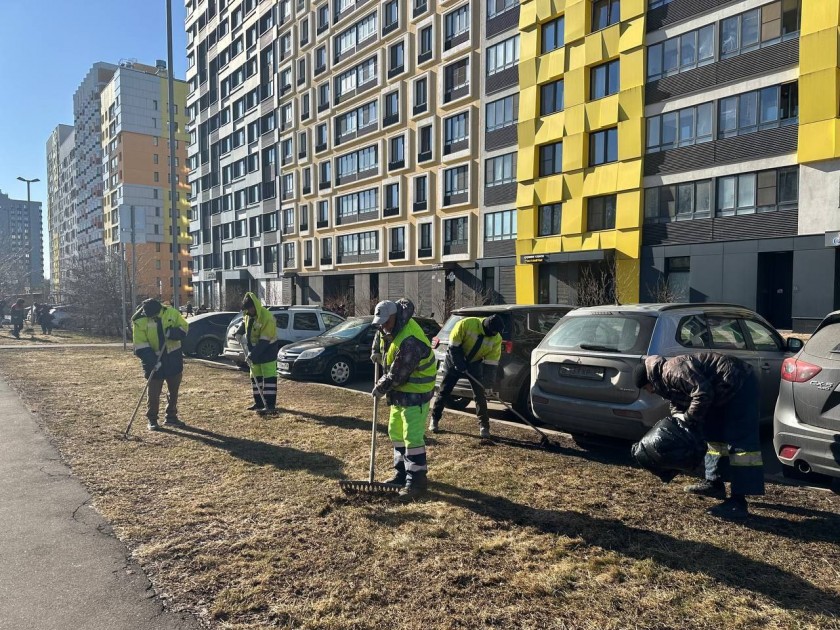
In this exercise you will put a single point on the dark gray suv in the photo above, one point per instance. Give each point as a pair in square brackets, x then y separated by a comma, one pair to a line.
[582, 372]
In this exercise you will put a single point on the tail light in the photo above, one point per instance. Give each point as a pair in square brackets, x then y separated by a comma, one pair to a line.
[796, 371]
[507, 347]
[435, 342]
[788, 452]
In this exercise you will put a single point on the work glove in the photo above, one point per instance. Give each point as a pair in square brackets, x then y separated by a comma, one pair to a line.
[377, 393]
[376, 358]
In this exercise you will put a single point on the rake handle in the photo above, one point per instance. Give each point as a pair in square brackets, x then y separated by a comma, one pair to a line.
[376, 372]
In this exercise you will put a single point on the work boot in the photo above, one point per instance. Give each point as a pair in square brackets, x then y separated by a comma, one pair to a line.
[414, 487]
[484, 432]
[265, 411]
[715, 489]
[398, 479]
[733, 508]
[434, 425]
[153, 425]
[173, 422]
[254, 407]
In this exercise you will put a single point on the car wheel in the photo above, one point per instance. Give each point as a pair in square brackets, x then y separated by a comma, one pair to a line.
[523, 401]
[340, 371]
[208, 349]
[459, 403]
[243, 366]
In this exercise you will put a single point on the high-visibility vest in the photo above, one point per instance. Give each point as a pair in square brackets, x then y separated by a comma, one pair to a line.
[422, 379]
[466, 333]
[145, 330]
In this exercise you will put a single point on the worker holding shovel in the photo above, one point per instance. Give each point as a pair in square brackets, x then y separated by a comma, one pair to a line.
[157, 333]
[408, 383]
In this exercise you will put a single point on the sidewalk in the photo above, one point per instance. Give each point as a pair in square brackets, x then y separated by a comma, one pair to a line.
[60, 566]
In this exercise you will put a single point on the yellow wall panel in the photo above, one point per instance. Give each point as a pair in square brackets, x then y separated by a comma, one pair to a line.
[628, 210]
[630, 138]
[818, 141]
[818, 105]
[818, 15]
[633, 9]
[627, 279]
[818, 51]
[632, 74]
[577, 20]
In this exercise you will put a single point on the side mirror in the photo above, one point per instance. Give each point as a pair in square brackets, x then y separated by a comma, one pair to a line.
[794, 344]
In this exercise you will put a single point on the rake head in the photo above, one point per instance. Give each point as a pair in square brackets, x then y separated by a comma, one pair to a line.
[368, 487]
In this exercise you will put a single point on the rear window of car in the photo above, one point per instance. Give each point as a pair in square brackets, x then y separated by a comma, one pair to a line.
[282, 320]
[449, 325]
[306, 321]
[825, 343]
[602, 333]
[543, 321]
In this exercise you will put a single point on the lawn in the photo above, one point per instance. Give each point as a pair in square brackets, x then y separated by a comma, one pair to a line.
[240, 520]
[58, 337]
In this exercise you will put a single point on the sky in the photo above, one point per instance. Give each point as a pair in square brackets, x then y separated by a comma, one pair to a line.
[46, 48]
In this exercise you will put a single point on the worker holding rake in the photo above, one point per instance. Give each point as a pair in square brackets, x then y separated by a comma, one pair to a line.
[259, 330]
[408, 383]
[157, 333]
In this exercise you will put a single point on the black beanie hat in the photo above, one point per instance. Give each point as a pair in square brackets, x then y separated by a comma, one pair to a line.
[493, 324]
[247, 302]
[640, 375]
[151, 307]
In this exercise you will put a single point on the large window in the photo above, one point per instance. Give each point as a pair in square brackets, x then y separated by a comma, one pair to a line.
[605, 13]
[456, 75]
[603, 80]
[677, 202]
[354, 204]
[426, 236]
[457, 21]
[356, 34]
[551, 98]
[691, 125]
[397, 239]
[763, 26]
[764, 191]
[358, 161]
[396, 58]
[603, 146]
[761, 109]
[549, 219]
[551, 159]
[455, 231]
[495, 7]
[455, 180]
[500, 226]
[552, 35]
[600, 213]
[502, 113]
[500, 170]
[681, 53]
[503, 55]
[456, 128]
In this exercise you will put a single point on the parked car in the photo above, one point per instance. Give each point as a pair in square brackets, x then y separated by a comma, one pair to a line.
[207, 334]
[806, 424]
[582, 372]
[63, 316]
[294, 323]
[339, 354]
[525, 326]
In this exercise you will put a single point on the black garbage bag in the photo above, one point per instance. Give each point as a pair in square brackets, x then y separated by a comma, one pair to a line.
[672, 446]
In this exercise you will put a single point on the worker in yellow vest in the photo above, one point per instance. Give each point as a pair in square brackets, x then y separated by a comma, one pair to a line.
[409, 383]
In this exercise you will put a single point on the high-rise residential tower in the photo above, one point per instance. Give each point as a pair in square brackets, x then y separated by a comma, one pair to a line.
[136, 178]
[21, 245]
[60, 202]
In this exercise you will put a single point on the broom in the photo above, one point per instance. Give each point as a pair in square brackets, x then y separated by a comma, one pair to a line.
[370, 486]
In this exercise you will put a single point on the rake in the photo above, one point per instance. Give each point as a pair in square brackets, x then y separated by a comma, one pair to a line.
[369, 486]
[145, 389]
[544, 441]
[250, 363]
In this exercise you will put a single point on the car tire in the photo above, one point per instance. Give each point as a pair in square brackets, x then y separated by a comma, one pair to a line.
[523, 401]
[243, 366]
[340, 371]
[208, 349]
[458, 403]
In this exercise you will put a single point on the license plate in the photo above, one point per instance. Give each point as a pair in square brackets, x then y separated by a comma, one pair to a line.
[582, 371]
[283, 365]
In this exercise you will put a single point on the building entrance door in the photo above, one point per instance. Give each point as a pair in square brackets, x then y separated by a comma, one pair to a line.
[774, 291]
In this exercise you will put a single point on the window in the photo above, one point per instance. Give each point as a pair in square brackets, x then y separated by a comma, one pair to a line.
[769, 107]
[323, 212]
[396, 58]
[305, 321]
[396, 149]
[763, 26]
[763, 339]
[392, 13]
[426, 42]
[456, 129]
[392, 105]
[500, 170]
[503, 55]
[551, 98]
[425, 142]
[456, 75]
[689, 200]
[603, 147]
[552, 35]
[426, 237]
[397, 240]
[455, 181]
[549, 219]
[457, 22]
[603, 80]
[551, 159]
[500, 226]
[502, 113]
[421, 95]
[364, 202]
[496, 7]
[677, 280]
[605, 13]
[726, 333]
[685, 52]
[764, 191]
[600, 213]
[326, 251]
[692, 125]
[421, 188]
[455, 231]
[320, 58]
[324, 177]
[392, 196]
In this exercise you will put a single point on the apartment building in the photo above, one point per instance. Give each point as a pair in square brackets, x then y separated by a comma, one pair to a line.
[60, 201]
[707, 137]
[138, 219]
[74, 168]
[354, 150]
[21, 244]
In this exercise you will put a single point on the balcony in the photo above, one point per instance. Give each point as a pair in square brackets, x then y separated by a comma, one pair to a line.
[302, 154]
[451, 199]
[452, 42]
[307, 190]
[320, 69]
[323, 107]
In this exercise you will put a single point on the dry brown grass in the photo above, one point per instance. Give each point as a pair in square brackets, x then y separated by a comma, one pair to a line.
[59, 337]
[240, 519]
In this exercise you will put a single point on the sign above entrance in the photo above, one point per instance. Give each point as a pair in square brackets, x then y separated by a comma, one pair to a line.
[534, 258]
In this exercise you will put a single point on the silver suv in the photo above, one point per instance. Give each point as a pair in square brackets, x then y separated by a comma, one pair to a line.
[294, 323]
[582, 372]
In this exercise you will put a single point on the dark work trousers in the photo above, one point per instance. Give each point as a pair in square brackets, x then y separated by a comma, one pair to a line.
[731, 432]
[173, 384]
[451, 376]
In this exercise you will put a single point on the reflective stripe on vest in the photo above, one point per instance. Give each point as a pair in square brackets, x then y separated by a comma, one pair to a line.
[422, 379]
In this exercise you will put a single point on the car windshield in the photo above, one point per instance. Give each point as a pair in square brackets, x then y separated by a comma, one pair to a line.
[602, 333]
[449, 325]
[347, 329]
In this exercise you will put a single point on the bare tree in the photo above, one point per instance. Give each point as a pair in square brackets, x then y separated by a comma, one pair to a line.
[94, 289]
[15, 272]
[662, 293]
[342, 303]
[597, 285]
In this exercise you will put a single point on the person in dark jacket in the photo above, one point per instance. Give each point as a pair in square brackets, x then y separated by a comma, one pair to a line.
[45, 318]
[719, 395]
[156, 325]
[18, 315]
[258, 332]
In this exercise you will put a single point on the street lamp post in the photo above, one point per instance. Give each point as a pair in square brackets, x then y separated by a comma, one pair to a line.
[173, 186]
[29, 182]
